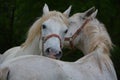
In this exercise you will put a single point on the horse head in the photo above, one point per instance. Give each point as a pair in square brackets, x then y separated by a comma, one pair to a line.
[50, 30]
[86, 32]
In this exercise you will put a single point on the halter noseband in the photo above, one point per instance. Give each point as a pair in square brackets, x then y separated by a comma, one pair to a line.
[73, 37]
[52, 35]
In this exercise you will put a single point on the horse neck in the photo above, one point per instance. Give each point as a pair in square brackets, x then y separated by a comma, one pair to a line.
[32, 48]
[96, 43]
[100, 60]
[82, 43]
[94, 35]
[104, 63]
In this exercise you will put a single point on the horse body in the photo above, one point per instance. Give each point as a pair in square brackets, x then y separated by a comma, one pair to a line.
[31, 67]
[45, 37]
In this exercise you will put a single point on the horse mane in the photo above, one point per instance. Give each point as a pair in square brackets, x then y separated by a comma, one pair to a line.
[35, 29]
[98, 36]
[100, 44]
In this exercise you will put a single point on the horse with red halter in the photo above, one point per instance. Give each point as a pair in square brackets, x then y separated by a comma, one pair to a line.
[45, 36]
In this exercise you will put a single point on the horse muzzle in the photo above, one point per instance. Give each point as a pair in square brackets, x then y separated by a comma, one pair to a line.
[53, 53]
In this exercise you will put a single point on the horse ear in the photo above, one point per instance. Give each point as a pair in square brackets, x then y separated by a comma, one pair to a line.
[93, 15]
[4, 73]
[67, 12]
[89, 12]
[45, 9]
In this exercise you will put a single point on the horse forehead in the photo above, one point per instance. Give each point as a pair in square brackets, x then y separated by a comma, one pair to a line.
[56, 22]
[73, 21]
[75, 16]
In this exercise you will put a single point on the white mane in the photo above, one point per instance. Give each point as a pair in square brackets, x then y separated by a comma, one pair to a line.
[97, 41]
[97, 36]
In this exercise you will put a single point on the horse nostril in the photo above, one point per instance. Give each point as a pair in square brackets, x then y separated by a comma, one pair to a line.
[59, 53]
[53, 52]
[48, 50]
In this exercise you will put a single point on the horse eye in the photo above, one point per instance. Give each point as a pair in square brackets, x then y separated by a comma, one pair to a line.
[44, 26]
[66, 31]
[83, 18]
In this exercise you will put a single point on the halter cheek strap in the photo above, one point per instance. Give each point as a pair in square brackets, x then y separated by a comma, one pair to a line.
[52, 35]
[73, 37]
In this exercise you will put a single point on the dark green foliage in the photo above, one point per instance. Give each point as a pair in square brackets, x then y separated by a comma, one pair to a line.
[16, 17]
[71, 54]
[115, 56]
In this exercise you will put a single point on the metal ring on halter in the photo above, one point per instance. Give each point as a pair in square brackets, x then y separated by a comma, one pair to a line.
[71, 39]
[52, 35]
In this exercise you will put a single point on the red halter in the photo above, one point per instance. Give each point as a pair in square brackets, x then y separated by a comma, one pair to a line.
[52, 35]
[73, 37]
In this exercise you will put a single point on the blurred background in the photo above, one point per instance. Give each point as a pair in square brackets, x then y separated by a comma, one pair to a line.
[16, 17]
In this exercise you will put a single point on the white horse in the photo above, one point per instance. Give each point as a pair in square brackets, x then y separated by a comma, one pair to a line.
[96, 65]
[86, 38]
[89, 35]
[45, 37]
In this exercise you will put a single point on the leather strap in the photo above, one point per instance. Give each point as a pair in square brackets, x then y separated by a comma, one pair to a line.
[73, 37]
[52, 35]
